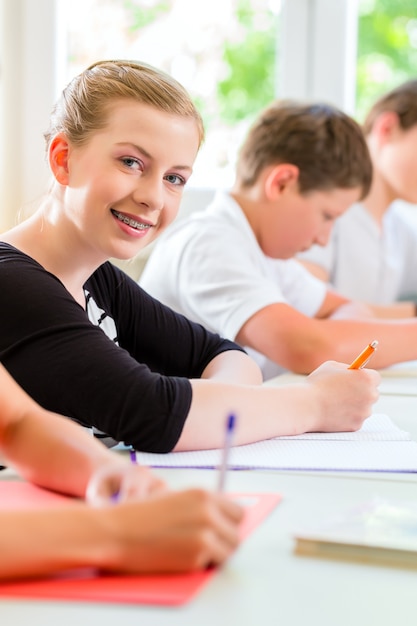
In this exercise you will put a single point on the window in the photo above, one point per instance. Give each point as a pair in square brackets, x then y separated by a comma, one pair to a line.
[387, 48]
[225, 57]
[233, 58]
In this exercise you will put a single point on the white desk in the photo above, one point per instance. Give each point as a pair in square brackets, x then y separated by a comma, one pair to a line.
[264, 583]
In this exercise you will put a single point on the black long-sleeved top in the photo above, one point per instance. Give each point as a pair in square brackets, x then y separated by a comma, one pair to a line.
[131, 383]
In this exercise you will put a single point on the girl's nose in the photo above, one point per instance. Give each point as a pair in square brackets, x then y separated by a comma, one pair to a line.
[150, 192]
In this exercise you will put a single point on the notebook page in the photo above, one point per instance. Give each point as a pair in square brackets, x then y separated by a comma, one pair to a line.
[407, 368]
[376, 456]
[399, 385]
[378, 427]
[380, 446]
[398, 379]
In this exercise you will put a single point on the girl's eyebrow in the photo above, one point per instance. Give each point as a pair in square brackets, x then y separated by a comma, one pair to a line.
[149, 156]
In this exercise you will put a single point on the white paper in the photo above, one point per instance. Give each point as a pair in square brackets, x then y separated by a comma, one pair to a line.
[399, 385]
[378, 446]
[399, 379]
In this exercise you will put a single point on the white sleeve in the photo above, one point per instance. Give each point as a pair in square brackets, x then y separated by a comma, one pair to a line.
[220, 283]
[214, 279]
[300, 289]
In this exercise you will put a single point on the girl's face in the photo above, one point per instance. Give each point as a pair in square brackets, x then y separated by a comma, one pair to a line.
[396, 164]
[125, 185]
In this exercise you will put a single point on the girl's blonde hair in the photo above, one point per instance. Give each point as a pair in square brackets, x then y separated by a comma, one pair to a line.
[84, 104]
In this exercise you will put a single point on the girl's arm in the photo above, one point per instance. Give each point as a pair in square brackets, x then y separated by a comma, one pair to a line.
[333, 398]
[56, 453]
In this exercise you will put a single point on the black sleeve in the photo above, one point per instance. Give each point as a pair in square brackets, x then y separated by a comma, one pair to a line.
[153, 333]
[139, 392]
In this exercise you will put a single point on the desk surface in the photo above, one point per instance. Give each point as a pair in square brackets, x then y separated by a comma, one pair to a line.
[264, 582]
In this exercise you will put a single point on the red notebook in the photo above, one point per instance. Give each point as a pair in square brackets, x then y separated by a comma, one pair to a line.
[88, 585]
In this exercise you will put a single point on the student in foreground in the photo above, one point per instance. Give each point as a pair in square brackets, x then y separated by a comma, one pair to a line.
[148, 529]
[371, 254]
[84, 340]
[230, 266]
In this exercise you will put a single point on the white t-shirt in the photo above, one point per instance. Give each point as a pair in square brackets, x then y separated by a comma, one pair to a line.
[210, 268]
[367, 264]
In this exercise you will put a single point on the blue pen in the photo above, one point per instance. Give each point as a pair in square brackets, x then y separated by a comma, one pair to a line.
[230, 426]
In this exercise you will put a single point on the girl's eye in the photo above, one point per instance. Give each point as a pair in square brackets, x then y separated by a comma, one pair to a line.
[132, 163]
[175, 179]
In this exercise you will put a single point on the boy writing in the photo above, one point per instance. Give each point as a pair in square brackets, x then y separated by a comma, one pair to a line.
[230, 267]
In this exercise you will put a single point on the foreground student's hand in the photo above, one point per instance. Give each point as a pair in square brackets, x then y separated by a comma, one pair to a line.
[121, 483]
[177, 531]
[345, 396]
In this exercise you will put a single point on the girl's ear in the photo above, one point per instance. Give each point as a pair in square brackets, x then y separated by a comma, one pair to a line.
[280, 177]
[58, 158]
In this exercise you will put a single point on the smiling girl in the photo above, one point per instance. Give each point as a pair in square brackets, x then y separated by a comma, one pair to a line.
[84, 339]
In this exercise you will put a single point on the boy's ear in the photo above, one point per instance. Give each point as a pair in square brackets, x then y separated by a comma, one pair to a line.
[58, 158]
[279, 178]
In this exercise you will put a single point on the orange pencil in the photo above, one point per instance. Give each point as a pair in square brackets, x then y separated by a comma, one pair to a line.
[364, 356]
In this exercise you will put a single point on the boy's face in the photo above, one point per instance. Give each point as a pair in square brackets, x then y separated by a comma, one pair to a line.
[297, 221]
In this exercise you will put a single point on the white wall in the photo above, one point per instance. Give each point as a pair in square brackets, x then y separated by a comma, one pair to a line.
[27, 92]
[318, 44]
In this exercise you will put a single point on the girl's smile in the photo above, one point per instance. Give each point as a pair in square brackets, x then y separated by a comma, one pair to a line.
[130, 225]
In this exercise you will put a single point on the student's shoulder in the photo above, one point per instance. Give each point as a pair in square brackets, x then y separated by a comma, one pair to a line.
[22, 271]
[10, 254]
[215, 221]
[110, 278]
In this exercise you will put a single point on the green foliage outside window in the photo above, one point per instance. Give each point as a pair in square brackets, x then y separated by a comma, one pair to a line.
[141, 16]
[244, 52]
[250, 64]
[387, 56]
[387, 48]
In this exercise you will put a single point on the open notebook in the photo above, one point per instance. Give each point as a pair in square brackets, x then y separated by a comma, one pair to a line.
[90, 586]
[379, 446]
[399, 379]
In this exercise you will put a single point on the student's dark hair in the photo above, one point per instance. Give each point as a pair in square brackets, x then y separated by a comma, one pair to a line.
[85, 103]
[326, 145]
[402, 100]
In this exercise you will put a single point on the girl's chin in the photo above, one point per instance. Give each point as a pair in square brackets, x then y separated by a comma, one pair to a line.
[127, 253]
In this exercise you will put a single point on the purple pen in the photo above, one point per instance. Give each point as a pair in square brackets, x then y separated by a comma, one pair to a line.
[230, 427]
[132, 453]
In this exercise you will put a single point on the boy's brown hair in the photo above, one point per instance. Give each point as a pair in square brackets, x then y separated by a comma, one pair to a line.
[402, 100]
[327, 146]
